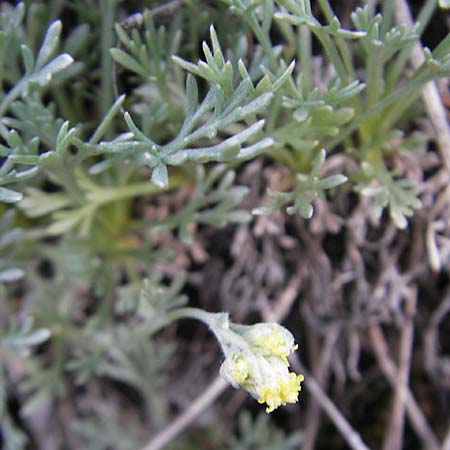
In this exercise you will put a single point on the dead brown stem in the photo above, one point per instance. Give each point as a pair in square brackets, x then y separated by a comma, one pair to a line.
[394, 436]
[432, 360]
[348, 433]
[390, 370]
[198, 406]
[321, 373]
[446, 444]
[430, 94]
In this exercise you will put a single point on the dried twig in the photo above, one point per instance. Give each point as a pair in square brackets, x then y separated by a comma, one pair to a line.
[348, 433]
[214, 390]
[286, 299]
[438, 116]
[432, 249]
[390, 370]
[446, 444]
[321, 374]
[394, 435]
[432, 361]
[430, 94]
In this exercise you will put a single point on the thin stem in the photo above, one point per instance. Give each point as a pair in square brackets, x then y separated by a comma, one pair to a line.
[446, 443]
[105, 309]
[107, 195]
[321, 372]
[332, 53]
[12, 95]
[425, 15]
[304, 55]
[108, 12]
[433, 103]
[342, 46]
[228, 339]
[347, 431]
[198, 406]
[326, 9]
[102, 128]
[65, 104]
[413, 87]
[390, 370]
[399, 65]
[273, 113]
[394, 435]
[387, 14]
[265, 42]
[191, 313]
[374, 74]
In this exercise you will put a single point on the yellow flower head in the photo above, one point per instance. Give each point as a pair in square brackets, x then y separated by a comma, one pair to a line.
[260, 366]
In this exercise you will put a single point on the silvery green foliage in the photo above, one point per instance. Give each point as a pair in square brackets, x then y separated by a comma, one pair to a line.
[307, 188]
[224, 105]
[211, 205]
[317, 119]
[21, 158]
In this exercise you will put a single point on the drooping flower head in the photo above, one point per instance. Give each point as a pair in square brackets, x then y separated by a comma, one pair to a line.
[257, 361]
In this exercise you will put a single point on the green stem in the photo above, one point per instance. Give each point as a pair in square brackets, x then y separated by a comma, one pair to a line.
[332, 53]
[191, 313]
[108, 12]
[394, 113]
[228, 339]
[374, 74]
[273, 113]
[108, 195]
[105, 309]
[65, 104]
[398, 67]
[2, 62]
[414, 86]
[304, 55]
[326, 9]
[106, 122]
[12, 95]
[342, 46]
[265, 42]
[387, 14]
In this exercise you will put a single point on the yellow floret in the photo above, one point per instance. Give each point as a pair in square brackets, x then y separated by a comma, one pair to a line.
[290, 388]
[272, 396]
[275, 342]
[286, 391]
[239, 370]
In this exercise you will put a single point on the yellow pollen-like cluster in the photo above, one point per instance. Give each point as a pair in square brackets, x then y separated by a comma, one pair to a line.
[276, 344]
[286, 391]
[239, 370]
